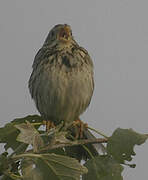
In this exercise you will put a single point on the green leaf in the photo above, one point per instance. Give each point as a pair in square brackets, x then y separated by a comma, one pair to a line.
[103, 168]
[8, 168]
[8, 133]
[4, 165]
[57, 167]
[11, 176]
[6, 178]
[79, 152]
[29, 135]
[29, 171]
[121, 144]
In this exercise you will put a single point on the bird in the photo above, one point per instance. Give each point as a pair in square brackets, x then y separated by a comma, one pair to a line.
[62, 81]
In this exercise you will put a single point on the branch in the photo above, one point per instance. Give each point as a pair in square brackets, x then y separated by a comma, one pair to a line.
[74, 143]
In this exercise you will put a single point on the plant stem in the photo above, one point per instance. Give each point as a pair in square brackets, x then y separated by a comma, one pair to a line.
[100, 133]
[75, 143]
[36, 124]
[88, 151]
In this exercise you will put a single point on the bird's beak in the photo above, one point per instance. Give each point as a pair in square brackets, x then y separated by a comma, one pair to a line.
[64, 34]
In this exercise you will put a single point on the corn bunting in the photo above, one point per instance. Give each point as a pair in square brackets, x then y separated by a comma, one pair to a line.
[61, 82]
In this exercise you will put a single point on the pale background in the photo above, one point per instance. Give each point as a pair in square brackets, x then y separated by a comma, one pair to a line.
[115, 32]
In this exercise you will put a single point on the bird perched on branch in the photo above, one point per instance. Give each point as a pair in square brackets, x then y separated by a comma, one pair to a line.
[61, 83]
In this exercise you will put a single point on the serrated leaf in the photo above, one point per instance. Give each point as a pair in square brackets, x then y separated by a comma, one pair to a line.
[57, 167]
[8, 168]
[103, 168]
[29, 171]
[6, 178]
[121, 144]
[4, 165]
[29, 135]
[8, 133]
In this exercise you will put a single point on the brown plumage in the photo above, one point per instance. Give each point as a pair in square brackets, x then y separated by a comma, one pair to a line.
[61, 83]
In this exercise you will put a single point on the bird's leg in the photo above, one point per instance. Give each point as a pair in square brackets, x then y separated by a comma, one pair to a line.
[49, 125]
[79, 128]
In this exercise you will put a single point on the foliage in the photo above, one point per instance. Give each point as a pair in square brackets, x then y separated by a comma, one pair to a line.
[38, 155]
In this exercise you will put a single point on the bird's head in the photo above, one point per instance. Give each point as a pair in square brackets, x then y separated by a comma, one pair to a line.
[60, 34]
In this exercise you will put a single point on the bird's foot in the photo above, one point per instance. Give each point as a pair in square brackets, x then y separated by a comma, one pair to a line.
[79, 128]
[49, 125]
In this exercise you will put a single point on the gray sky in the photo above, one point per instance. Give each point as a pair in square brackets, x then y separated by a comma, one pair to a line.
[115, 33]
